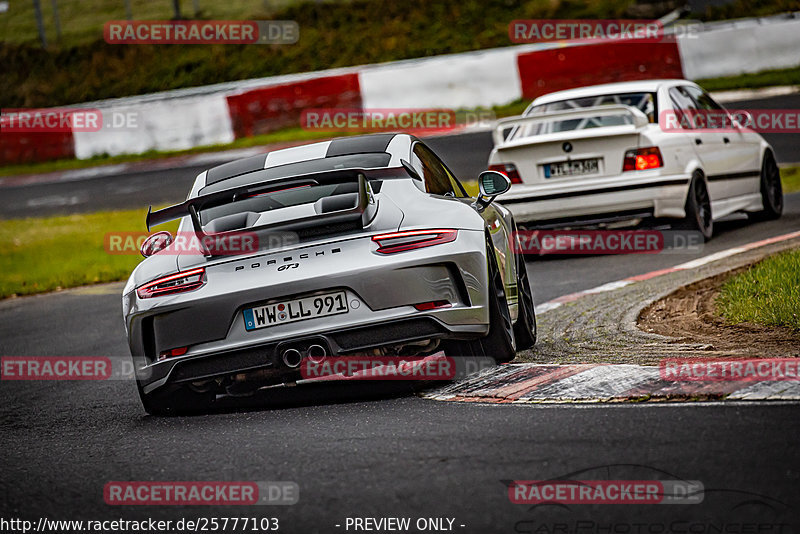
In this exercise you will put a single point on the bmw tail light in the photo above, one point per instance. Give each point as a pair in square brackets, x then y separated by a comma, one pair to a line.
[641, 159]
[413, 239]
[175, 283]
[509, 169]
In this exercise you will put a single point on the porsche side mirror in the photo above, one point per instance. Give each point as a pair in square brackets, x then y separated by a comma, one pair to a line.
[155, 243]
[491, 184]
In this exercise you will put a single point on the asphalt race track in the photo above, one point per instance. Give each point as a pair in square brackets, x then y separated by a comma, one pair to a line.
[374, 450]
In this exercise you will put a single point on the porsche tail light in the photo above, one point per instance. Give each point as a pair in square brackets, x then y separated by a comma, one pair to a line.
[413, 239]
[432, 305]
[174, 283]
[172, 353]
[509, 169]
[641, 159]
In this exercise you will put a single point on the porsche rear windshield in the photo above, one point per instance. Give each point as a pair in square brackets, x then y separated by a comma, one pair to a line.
[249, 208]
[643, 101]
[371, 160]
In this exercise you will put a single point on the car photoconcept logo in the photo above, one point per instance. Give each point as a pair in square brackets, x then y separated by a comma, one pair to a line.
[567, 146]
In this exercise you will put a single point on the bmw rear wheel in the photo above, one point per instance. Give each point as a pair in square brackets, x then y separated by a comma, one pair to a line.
[771, 190]
[698, 208]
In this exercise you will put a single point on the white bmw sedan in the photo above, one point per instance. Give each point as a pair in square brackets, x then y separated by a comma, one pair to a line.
[634, 150]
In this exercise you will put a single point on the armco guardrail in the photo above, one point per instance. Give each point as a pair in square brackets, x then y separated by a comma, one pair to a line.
[742, 46]
[220, 113]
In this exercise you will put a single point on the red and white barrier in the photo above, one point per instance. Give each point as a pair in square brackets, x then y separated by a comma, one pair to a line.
[263, 110]
[545, 71]
[219, 114]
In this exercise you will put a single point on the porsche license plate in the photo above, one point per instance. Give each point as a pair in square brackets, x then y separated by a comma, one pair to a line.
[290, 311]
[576, 167]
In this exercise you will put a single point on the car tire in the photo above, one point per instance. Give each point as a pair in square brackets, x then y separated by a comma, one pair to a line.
[525, 327]
[499, 342]
[698, 208]
[771, 190]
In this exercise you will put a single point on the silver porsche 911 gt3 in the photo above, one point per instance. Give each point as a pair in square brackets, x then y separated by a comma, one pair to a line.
[362, 245]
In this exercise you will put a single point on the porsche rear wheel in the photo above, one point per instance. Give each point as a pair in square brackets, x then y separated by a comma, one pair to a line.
[525, 327]
[499, 342]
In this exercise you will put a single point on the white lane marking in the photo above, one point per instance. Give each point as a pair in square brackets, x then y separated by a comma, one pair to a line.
[708, 259]
[297, 153]
[610, 286]
[55, 201]
[547, 306]
[754, 94]
[228, 155]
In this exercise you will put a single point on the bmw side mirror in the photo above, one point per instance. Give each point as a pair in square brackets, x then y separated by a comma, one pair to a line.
[155, 243]
[491, 184]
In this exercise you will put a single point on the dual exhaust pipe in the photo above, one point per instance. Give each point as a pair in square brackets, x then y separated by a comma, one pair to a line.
[292, 357]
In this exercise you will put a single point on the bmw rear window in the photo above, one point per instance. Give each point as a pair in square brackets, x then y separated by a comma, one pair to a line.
[644, 101]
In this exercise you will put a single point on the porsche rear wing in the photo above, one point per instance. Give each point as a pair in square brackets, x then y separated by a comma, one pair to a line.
[359, 213]
[639, 119]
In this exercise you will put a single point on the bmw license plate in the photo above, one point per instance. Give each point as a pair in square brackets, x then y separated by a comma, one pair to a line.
[300, 309]
[576, 167]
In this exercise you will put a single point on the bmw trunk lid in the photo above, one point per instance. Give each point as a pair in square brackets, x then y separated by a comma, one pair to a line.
[587, 143]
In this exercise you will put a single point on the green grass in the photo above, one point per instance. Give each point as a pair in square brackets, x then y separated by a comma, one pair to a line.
[511, 109]
[81, 67]
[790, 179]
[766, 294]
[767, 78]
[82, 20]
[746, 8]
[45, 254]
